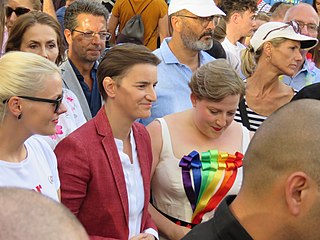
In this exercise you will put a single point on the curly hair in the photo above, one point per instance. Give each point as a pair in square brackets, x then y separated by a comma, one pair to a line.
[240, 6]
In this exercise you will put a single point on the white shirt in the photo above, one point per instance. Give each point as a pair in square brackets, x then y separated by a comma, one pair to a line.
[134, 186]
[38, 171]
[233, 53]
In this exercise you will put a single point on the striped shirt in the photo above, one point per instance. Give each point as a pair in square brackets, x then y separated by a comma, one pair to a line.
[255, 119]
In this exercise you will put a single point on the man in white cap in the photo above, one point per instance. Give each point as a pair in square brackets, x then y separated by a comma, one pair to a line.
[192, 23]
[279, 198]
[308, 20]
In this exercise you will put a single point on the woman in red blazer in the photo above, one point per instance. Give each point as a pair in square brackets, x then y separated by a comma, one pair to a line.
[105, 165]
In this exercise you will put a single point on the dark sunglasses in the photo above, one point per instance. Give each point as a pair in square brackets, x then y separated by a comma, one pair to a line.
[57, 101]
[293, 24]
[18, 11]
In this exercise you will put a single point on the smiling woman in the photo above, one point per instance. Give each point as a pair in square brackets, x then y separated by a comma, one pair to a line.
[105, 165]
[25, 110]
[202, 141]
[39, 33]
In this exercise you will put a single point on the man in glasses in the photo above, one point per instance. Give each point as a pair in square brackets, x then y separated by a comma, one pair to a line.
[308, 20]
[86, 34]
[240, 22]
[280, 195]
[192, 24]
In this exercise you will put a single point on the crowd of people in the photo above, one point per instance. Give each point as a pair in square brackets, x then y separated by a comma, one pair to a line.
[198, 130]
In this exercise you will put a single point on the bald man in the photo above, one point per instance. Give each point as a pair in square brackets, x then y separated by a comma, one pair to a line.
[280, 196]
[28, 215]
[308, 20]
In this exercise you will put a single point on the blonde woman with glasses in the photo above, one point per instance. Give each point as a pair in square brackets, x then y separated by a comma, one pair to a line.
[25, 110]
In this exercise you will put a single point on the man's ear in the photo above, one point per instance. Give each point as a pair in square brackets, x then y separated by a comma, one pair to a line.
[176, 23]
[14, 105]
[235, 17]
[296, 192]
[110, 87]
[68, 35]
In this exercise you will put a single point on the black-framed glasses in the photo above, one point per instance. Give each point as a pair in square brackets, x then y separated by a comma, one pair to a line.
[293, 24]
[105, 36]
[204, 21]
[311, 27]
[57, 101]
[18, 11]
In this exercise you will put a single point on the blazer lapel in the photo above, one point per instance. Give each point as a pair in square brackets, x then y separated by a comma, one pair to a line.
[145, 168]
[109, 145]
[70, 81]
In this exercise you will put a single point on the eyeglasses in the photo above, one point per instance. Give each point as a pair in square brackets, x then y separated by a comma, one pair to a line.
[105, 36]
[18, 11]
[204, 21]
[293, 24]
[57, 101]
[311, 27]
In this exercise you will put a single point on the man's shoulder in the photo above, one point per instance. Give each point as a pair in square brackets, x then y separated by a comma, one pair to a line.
[205, 57]
[203, 231]
[65, 64]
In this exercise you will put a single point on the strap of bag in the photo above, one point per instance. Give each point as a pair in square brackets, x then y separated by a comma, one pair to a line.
[244, 114]
[142, 9]
[151, 35]
[140, 14]
[132, 8]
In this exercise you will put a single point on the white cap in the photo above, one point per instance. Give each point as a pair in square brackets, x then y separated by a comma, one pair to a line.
[285, 32]
[200, 8]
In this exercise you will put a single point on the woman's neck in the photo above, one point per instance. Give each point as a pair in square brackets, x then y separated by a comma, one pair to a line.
[263, 82]
[12, 147]
[120, 125]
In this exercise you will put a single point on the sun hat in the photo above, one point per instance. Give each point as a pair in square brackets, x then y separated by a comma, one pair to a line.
[271, 30]
[200, 8]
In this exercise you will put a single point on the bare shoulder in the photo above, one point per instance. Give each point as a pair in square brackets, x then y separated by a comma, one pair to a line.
[154, 127]
[175, 118]
[236, 128]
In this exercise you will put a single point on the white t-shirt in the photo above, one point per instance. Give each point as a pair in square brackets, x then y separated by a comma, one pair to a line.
[38, 171]
[233, 53]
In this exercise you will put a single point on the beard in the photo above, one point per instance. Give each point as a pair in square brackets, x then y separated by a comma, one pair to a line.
[193, 42]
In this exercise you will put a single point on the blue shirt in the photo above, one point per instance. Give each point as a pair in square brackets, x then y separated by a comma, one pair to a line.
[271, 2]
[173, 92]
[308, 74]
[93, 97]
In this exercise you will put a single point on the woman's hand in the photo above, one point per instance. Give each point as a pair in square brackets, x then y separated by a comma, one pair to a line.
[145, 236]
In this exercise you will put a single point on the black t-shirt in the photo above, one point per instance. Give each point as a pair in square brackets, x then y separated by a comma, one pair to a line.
[223, 226]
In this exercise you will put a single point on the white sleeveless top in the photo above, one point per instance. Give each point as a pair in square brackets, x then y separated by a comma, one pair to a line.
[167, 185]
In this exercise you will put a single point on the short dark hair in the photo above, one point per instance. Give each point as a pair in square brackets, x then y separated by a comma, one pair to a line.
[240, 6]
[83, 7]
[119, 59]
[28, 20]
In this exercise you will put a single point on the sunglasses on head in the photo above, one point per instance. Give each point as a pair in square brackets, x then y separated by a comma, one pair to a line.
[293, 24]
[18, 11]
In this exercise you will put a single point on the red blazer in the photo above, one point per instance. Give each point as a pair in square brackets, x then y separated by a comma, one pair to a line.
[92, 181]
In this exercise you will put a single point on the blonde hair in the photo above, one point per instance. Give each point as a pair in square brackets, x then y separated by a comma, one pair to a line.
[215, 81]
[22, 73]
[250, 58]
